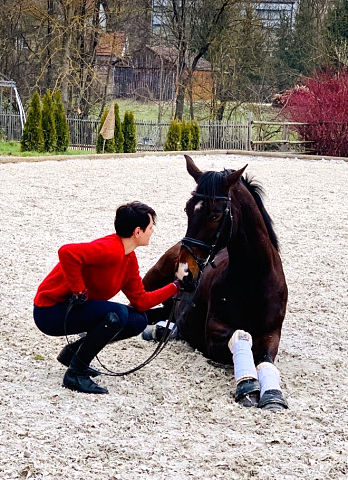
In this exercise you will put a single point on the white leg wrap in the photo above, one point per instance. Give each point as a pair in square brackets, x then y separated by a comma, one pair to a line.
[240, 346]
[163, 323]
[269, 377]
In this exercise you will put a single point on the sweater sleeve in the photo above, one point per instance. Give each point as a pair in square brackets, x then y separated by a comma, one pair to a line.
[137, 295]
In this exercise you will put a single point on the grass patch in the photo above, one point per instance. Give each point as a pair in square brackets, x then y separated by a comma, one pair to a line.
[13, 149]
[202, 110]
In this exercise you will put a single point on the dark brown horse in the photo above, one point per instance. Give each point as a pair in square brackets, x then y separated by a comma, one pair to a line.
[231, 251]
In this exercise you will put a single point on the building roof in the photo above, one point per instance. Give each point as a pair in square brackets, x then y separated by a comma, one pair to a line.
[171, 55]
[112, 44]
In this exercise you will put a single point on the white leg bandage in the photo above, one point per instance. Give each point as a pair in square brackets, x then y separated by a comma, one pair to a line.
[163, 323]
[240, 346]
[269, 377]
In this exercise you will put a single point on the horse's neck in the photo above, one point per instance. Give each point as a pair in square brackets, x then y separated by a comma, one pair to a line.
[251, 240]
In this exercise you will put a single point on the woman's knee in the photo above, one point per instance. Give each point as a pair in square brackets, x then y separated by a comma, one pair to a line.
[140, 322]
[123, 314]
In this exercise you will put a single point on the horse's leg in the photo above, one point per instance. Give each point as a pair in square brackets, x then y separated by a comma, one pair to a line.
[248, 386]
[163, 271]
[265, 350]
[158, 276]
[221, 341]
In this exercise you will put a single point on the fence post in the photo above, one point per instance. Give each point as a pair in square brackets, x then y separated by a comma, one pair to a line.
[249, 135]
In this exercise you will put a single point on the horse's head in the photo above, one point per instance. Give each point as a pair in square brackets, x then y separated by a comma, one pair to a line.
[210, 219]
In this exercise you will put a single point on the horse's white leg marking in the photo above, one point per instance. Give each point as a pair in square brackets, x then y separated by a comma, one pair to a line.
[182, 271]
[240, 345]
[269, 377]
[198, 205]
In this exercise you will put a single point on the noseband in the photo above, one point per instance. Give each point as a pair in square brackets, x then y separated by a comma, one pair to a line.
[189, 242]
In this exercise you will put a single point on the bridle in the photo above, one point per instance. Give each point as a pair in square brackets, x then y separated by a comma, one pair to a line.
[212, 249]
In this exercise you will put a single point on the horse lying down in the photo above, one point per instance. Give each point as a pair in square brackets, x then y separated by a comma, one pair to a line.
[231, 254]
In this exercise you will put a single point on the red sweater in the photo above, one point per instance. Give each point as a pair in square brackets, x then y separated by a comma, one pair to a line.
[103, 269]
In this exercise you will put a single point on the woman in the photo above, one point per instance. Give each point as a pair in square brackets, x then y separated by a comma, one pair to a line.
[87, 276]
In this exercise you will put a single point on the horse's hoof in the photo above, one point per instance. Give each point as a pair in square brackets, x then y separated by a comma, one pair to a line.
[273, 400]
[274, 407]
[251, 400]
[248, 393]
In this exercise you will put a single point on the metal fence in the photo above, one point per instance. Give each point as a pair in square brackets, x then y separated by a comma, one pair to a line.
[83, 133]
[10, 126]
[151, 136]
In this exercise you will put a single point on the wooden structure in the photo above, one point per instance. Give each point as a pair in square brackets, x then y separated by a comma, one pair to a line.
[111, 48]
[151, 74]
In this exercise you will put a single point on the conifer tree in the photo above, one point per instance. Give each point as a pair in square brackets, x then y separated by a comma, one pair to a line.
[62, 127]
[118, 136]
[173, 140]
[186, 136]
[48, 123]
[32, 137]
[129, 133]
[104, 146]
[195, 132]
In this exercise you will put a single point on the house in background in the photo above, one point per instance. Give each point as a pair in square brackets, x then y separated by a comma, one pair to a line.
[272, 12]
[111, 47]
[151, 73]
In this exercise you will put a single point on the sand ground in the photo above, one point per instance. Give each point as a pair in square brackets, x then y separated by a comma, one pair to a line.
[176, 419]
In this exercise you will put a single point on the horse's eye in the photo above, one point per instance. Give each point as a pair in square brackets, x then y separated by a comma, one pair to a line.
[215, 217]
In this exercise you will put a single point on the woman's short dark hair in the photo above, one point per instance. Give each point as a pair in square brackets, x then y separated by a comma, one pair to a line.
[132, 215]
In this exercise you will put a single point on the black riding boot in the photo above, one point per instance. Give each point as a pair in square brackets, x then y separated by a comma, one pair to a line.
[77, 377]
[67, 353]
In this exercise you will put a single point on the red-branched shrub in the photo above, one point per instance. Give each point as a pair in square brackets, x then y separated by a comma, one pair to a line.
[322, 103]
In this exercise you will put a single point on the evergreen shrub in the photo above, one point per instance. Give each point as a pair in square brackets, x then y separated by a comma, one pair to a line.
[32, 137]
[173, 139]
[186, 136]
[48, 123]
[118, 136]
[62, 127]
[196, 136]
[129, 133]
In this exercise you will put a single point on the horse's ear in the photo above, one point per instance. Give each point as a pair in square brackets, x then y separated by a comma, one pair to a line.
[192, 169]
[233, 178]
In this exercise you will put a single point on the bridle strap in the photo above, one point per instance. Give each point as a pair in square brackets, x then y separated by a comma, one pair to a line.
[187, 242]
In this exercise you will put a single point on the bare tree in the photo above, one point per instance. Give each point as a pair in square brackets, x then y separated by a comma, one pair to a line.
[191, 27]
[55, 45]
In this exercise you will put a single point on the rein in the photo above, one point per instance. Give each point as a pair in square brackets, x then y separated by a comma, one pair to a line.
[187, 242]
[161, 344]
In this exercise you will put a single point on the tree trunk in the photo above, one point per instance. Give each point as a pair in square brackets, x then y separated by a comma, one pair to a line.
[66, 47]
[179, 104]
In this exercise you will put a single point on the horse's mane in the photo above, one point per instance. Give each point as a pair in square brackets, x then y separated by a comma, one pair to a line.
[211, 184]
